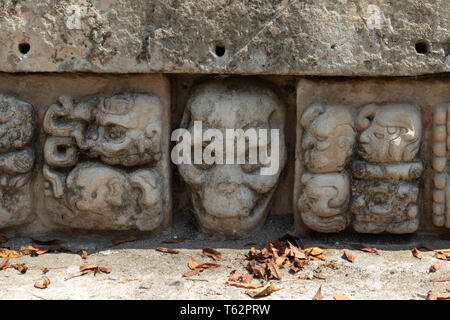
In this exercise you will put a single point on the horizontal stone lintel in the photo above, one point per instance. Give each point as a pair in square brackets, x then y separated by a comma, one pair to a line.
[284, 37]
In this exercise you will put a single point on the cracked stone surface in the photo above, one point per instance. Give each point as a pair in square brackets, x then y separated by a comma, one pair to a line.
[393, 273]
[324, 37]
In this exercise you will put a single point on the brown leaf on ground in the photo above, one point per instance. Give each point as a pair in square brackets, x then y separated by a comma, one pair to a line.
[314, 251]
[339, 297]
[306, 277]
[349, 256]
[207, 265]
[45, 270]
[118, 241]
[262, 292]
[192, 264]
[318, 295]
[244, 285]
[4, 264]
[216, 255]
[174, 240]
[167, 250]
[432, 295]
[416, 253]
[83, 254]
[442, 254]
[361, 247]
[192, 272]
[7, 253]
[95, 268]
[30, 250]
[435, 267]
[22, 268]
[42, 285]
[127, 280]
[3, 239]
[239, 277]
[441, 279]
[275, 272]
[54, 242]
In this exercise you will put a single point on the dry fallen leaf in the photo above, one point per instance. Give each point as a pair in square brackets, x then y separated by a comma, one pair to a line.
[127, 280]
[6, 253]
[339, 297]
[84, 254]
[435, 267]
[318, 295]
[3, 239]
[314, 251]
[22, 268]
[417, 253]
[441, 279]
[53, 242]
[45, 282]
[192, 272]
[306, 277]
[207, 265]
[442, 254]
[118, 241]
[192, 264]
[4, 264]
[167, 250]
[89, 268]
[349, 256]
[174, 240]
[30, 250]
[244, 285]
[261, 292]
[45, 270]
[432, 295]
[216, 255]
[428, 247]
[361, 247]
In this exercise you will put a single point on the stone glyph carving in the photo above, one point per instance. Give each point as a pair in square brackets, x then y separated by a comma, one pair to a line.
[102, 159]
[441, 187]
[17, 158]
[385, 189]
[232, 199]
[327, 144]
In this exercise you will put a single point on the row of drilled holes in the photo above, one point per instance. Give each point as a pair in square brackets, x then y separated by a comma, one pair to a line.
[421, 47]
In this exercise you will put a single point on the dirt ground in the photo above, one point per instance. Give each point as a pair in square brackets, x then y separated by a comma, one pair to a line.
[141, 272]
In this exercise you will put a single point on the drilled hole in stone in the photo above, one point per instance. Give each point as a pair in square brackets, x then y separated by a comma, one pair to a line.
[421, 47]
[220, 50]
[24, 48]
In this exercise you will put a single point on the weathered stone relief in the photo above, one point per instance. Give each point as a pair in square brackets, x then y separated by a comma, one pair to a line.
[382, 193]
[17, 158]
[232, 199]
[327, 142]
[102, 162]
[385, 189]
[441, 147]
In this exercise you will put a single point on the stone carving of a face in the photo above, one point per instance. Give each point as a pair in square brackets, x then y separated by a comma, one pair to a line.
[328, 137]
[232, 199]
[126, 129]
[385, 206]
[323, 201]
[17, 159]
[390, 133]
[102, 162]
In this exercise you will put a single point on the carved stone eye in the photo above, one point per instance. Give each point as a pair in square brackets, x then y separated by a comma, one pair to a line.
[378, 135]
[114, 132]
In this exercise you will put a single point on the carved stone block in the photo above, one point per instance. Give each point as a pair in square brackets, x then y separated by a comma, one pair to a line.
[385, 163]
[106, 161]
[233, 199]
[17, 159]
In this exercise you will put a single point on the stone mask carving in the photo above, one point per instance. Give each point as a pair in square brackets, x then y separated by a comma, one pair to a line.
[123, 129]
[232, 199]
[124, 132]
[390, 133]
[17, 157]
[328, 137]
[323, 201]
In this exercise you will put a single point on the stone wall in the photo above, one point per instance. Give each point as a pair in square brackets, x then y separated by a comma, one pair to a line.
[90, 92]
